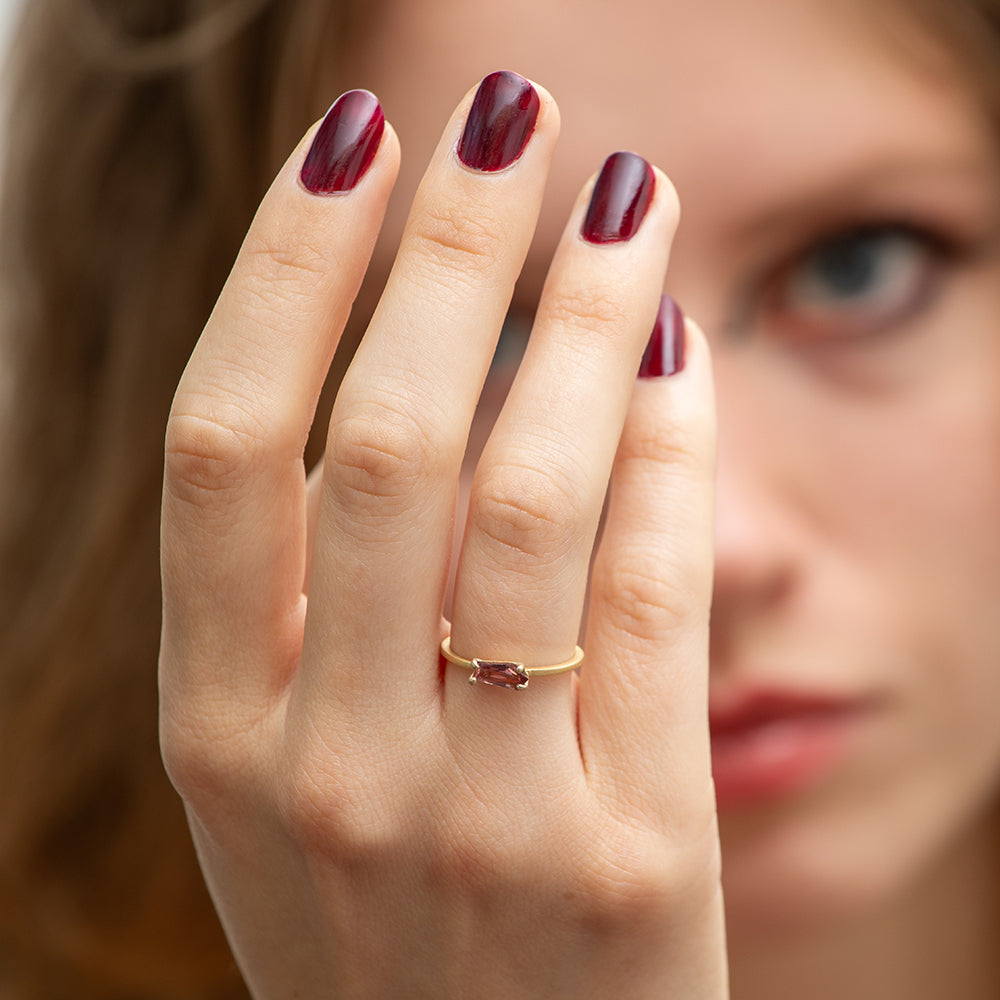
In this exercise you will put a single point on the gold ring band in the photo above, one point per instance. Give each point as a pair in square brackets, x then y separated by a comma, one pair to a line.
[507, 673]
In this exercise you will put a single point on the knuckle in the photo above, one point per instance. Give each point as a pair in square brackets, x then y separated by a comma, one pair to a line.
[621, 894]
[653, 438]
[184, 765]
[211, 452]
[385, 455]
[482, 854]
[609, 878]
[526, 512]
[352, 828]
[277, 259]
[637, 877]
[697, 870]
[199, 765]
[458, 241]
[598, 310]
[643, 601]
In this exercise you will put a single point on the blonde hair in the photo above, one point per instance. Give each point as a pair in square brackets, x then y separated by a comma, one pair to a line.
[142, 135]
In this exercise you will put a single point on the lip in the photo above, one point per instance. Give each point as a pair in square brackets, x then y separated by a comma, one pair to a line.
[770, 744]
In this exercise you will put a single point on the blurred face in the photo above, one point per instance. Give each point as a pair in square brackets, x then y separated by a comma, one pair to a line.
[841, 212]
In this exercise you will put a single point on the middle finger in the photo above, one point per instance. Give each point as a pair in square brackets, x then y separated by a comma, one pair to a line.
[402, 415]
[541, 482]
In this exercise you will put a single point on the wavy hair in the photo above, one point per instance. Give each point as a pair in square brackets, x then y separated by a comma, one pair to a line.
[142, 134]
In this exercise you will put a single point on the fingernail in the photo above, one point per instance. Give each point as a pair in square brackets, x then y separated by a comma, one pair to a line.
[665, 351]
[345, 144]
[500, 123]
[619, 200]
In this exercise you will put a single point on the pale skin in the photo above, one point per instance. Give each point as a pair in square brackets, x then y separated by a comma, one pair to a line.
[371, 825]
[422, 837]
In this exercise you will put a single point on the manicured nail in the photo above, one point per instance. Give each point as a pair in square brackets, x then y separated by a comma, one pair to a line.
[665, 350]
[500, 123]
[619, 200]
[345, 144]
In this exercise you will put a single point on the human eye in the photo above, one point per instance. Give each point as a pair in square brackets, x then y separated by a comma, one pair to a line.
[856, 283]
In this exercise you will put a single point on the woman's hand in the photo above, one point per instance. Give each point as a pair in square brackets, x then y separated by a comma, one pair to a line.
[369, 823]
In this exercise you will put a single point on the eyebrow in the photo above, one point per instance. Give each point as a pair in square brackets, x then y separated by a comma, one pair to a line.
[965, 181]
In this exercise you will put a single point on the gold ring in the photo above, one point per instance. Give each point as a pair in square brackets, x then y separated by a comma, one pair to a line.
[507, 673]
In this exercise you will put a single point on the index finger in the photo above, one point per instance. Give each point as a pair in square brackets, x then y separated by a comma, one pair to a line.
[234, 520]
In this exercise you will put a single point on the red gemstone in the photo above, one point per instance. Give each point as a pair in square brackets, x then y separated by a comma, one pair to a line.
[499, 673]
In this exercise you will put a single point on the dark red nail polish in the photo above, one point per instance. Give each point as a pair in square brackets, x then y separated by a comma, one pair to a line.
[500, 123]
[345, 144]
[665, 350]
[620, 199]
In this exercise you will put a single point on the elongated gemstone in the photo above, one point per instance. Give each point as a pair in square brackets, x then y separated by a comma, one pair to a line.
[499, 673]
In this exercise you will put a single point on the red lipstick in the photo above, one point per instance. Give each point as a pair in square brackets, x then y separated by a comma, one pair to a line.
[771, 744]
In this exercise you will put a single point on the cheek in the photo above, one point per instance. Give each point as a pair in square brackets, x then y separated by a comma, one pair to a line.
[918, 502]
[914, 493]
[904, 488]
[920, 453]
[940, 547]
[902, 502]
[925, 482]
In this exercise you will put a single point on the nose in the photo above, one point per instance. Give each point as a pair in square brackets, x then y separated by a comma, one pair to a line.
[756, 565]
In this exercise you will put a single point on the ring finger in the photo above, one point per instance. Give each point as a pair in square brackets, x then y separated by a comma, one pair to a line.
[540, 485]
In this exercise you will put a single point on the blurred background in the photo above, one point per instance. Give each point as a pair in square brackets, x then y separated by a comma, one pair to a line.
[8, 12]
[8, 16]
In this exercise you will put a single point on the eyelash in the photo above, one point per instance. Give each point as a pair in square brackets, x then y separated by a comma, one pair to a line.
[916, 258]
